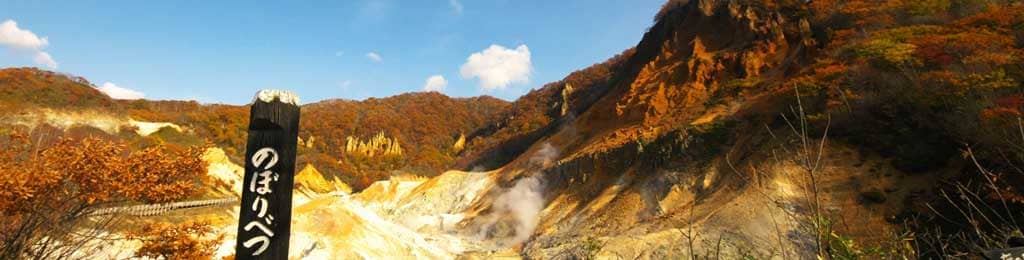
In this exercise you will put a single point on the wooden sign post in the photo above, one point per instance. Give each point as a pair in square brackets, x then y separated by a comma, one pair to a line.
[264, 222]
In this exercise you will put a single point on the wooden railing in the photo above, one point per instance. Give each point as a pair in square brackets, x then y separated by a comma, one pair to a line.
[161, 208]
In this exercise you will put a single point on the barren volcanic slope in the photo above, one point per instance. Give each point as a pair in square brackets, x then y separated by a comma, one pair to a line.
[777, 129]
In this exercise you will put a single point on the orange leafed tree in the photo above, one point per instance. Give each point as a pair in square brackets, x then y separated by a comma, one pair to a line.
[51, 189]
[190, 240]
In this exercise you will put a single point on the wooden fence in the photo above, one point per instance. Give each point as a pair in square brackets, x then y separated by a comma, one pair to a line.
[161, 208]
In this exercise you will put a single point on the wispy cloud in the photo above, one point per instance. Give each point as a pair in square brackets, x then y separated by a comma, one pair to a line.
[339, 53]
[456, 6]
[26, 41]
[374, 57]
[372, 12]
[44, 58]
[435, 83]
[117, 92]
[498, 67]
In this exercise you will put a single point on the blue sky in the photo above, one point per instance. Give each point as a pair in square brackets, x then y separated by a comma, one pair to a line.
[223, 52]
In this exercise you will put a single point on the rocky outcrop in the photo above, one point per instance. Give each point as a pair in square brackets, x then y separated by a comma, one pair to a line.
[310, 180]
[460, 144]
[226, 174]
[566, 92]
[378, 145]
[695, 51]
[308, 143]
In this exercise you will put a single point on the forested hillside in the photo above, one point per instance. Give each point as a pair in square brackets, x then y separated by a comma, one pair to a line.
[426, 124]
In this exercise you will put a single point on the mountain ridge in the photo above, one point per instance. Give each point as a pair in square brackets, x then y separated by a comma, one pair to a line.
[432, 122]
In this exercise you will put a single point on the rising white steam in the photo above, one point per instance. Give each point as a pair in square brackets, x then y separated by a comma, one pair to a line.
[522, 203]
[545, 156]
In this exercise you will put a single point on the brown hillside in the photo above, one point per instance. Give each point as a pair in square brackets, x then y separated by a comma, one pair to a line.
[536, 114]
[34, 87]
[728, 112]
[426, 125]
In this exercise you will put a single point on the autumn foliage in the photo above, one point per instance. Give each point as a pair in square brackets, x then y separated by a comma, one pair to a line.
[924, 83]
[426, 125]
[191, 240]
[29, 87]
[494, 144]
[52, 187]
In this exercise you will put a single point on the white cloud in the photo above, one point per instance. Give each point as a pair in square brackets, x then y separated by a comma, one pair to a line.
[339, 53]
[345, 84]
[456, 6]
[374, 56]
[116, 92]
[26, 41]
[498, 67]
[435, 83]
[44, 58]
[14, 37]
